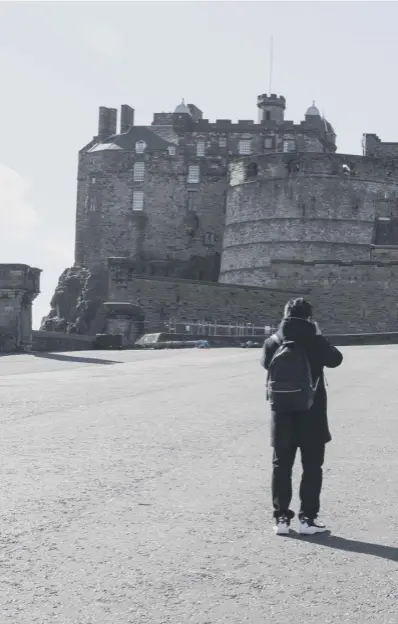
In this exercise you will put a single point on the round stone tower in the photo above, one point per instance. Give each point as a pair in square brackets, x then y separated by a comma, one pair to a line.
[302, 208]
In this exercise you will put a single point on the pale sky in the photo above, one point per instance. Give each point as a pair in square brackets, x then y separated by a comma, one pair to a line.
[60, 61]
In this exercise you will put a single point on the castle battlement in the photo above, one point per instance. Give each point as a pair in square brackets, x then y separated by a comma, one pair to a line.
[340, 166]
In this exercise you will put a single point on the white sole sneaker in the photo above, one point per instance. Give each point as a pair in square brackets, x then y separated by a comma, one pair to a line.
[281, 529]
[310, 529]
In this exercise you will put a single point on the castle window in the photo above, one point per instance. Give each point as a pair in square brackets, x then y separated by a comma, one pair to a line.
[386, 231]
[93, 180]
[251, 171]
[200, 148]
[222, 142]
[245, 146]
[139, 171]
[172, 150]
[140, 147]
[210, 238]
[194, 174]
[289, 146]
[267, 115]
[191, 201]
[269, 143]
[91, 204]
[138, 200]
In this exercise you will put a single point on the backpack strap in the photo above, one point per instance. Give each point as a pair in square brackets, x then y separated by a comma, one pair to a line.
[279, 343]
[276, 339]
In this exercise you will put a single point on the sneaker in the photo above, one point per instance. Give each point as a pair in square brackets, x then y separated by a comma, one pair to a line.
[282, 525]
[310, 526]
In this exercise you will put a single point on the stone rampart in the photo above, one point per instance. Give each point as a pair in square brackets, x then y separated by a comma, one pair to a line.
[162, 299]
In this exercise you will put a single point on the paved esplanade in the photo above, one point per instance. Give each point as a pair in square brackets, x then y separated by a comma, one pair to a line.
[138, 491]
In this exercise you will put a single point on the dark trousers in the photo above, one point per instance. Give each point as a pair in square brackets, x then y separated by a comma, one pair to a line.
[312, 458]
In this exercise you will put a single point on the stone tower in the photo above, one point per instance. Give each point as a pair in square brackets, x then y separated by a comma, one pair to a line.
[271, 108]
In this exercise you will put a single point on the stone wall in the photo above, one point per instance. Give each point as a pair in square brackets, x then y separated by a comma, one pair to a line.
[305, 207]
[178, 232]
[49, 341]
[19, 286]
[347, 297]
[161, 299]
[373, 146]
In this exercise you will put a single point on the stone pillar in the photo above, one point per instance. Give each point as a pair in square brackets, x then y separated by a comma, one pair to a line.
[19, 286]
[125, 319]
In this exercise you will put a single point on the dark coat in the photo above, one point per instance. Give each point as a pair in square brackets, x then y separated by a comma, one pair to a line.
[312, 426]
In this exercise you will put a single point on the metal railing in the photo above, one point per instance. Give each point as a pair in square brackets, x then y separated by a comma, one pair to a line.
[214, 328]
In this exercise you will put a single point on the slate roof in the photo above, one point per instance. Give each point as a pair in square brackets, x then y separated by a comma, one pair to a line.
[155, 137]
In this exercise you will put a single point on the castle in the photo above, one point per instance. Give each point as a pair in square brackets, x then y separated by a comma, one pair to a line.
[193, 219]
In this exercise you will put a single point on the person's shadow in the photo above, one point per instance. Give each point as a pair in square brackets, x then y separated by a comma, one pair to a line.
[340, 543]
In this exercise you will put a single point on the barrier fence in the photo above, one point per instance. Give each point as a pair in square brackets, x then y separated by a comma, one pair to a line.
[206, 328]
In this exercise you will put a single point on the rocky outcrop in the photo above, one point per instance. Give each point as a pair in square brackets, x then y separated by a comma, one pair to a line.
[76, 306]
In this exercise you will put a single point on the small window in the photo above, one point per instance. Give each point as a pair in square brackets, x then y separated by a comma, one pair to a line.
[140, 147]
[267, 115]
[210, 238]
[251, 171]
[92, 204]
[172, 150]
[245, 146]
[193, 174]
[139, 171]
[138, 200]
[222, 142]
[268, 143]
[93, 180]
[191, 201]
[200, 148]
[289, 146]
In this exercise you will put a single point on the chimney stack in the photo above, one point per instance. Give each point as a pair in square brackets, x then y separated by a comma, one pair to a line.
[107, 122]
[127, 118]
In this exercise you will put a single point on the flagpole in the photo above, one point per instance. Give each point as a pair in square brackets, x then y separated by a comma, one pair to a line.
[271, 63]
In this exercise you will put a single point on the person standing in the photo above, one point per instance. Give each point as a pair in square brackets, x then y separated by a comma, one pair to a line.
[295, 357]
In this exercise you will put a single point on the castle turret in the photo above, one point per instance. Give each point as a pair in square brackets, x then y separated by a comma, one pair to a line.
[182, 118]
[271, 107]
[313, 113]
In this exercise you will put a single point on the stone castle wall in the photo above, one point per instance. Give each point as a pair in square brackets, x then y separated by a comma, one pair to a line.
[373, 146]
[303, 207]
[162, 299]
[178, 231]
[347, 297]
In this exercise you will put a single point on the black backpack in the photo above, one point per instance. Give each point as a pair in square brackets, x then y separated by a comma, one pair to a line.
[290, 386]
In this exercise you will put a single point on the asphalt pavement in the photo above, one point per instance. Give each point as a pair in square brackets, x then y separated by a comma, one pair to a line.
[135, 489]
